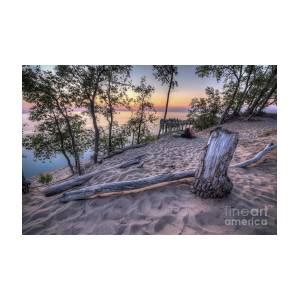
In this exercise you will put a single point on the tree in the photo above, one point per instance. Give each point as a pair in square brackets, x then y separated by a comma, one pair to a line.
[87, 89]
[248, 83]
[264, 89]
[51, 137]
[48, 140]
[247, 86]
[166, 75]
[114, 96]
[59, 130]
[232, 76]
[145, 113]
[61, 91]
[203, 111]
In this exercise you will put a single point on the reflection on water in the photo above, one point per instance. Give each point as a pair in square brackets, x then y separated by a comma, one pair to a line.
[32, 167]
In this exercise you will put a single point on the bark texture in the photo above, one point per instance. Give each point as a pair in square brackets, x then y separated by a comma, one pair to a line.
[211, 180]
[90, 191]
[79, 180]
[255, 158]
[167, 103]
[215, 186]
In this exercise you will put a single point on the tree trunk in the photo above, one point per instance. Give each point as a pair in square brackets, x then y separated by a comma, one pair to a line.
[168, 97]
[245, 92]
[62, 144]
[211, 180]
[225, 113]
[93, 114]
[96, 130]
[167, 103]
[110, 134]
[264, 101]
[110, 117]
[68, 160]
[256, 102]
[140, 124]
[74, 146]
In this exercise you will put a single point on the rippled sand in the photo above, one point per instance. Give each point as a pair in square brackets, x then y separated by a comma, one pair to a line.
[171, 209]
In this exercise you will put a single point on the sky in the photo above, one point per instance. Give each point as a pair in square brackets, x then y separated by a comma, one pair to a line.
[189, 86]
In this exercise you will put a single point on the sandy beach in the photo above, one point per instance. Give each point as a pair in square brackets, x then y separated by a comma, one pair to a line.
[170, 209]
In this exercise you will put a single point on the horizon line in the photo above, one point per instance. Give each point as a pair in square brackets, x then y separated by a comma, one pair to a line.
[158, 109]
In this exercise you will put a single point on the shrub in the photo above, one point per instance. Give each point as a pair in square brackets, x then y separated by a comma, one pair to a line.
[203, 112]
[45, 178]
[201, 122]
[148, 138]
[119, 138]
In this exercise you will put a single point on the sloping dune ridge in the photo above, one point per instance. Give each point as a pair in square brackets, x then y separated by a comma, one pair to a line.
[170, 209]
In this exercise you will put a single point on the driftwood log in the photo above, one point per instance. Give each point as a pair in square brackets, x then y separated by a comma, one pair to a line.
[256, 157]
[89, 191]
[211, 180]
[79, 180]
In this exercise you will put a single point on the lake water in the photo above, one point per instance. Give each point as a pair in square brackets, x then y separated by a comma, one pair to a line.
[33, 167]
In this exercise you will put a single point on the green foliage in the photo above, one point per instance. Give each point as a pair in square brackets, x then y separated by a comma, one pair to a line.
[114, 96]
[203, 112]
[251, 87]
[149, 138]
[145, 114]
[166, 74]
[113, 90]
[204, 121]
[45, 178]
[51, 137]
[119, 138]
[59, 128]
[83, 136]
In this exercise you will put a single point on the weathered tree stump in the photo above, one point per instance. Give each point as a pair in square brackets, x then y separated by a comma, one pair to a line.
[211, 180]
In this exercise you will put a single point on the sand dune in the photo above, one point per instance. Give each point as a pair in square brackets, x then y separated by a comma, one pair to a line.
[171, 209]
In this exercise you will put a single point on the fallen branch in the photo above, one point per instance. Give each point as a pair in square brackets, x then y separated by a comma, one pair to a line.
[256, 157]
[129, 185]
[79, 180]
[119, 151]
[135, 161]
[89, 191]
